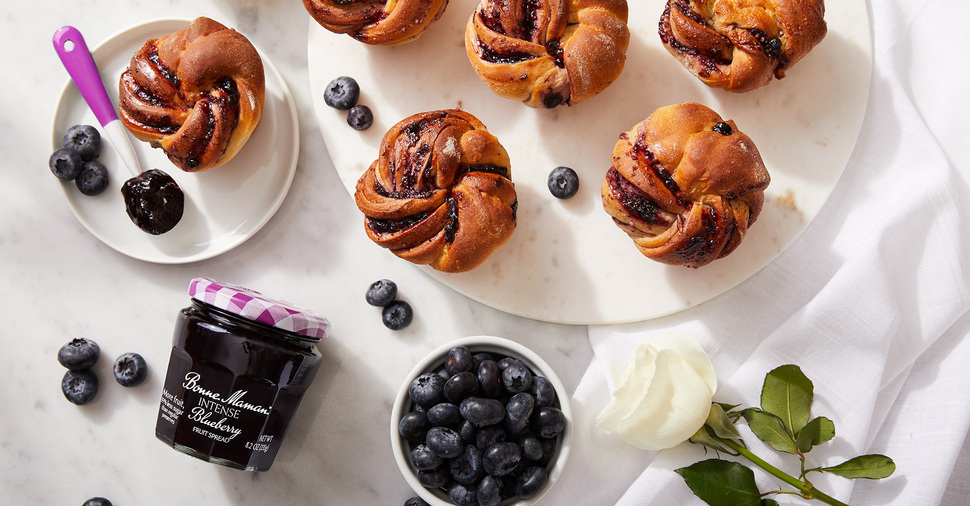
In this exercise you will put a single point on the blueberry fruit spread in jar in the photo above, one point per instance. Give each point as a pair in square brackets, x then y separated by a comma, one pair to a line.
[239, 367]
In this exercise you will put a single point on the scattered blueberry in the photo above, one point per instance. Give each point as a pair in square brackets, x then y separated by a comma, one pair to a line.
[93, 178]
[79, 354]
[130, 369]
[66, 164]
[97, 501]
[723, 128]
[342, 93]
[80, 386]
[360, 117]
[416, 501]
[563, 182]
[85, 140]
[381, 292]
[397, 315]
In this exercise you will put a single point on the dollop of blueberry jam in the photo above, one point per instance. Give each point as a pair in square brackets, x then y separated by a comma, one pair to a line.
[154, 201]
[723, 128]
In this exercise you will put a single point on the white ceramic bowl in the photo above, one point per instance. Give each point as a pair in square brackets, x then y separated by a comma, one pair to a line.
[434, 361]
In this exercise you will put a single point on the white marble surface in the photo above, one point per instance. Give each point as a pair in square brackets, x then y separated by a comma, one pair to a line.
[60, 283]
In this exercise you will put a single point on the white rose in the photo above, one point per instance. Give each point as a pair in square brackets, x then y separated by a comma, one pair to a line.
[664, 396]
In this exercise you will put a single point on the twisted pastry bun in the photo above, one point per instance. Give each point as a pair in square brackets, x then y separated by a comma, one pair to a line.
[197, 94]
[738, 45]
[546, 53]
[377, 22]
[685, 185]
[440, 192]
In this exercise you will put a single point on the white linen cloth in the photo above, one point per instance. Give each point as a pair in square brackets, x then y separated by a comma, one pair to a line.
[871, 301]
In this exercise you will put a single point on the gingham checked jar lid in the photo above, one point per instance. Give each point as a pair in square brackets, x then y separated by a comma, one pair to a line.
[256, 307]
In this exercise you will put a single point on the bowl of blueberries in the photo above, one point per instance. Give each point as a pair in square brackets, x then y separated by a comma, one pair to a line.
[481, 420]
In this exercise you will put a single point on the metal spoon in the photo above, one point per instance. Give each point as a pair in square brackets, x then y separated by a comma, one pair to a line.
[153, 200]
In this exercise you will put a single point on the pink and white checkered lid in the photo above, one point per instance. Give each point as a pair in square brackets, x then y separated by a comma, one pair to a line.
[255, 306]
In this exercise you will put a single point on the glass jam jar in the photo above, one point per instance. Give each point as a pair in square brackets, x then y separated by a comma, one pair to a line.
[239, 366]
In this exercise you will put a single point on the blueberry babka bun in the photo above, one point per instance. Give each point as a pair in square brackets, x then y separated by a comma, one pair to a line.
[685, 185]
[547, 53]
[740, 45]
[197, 94]
[440, 192]
[377, 22]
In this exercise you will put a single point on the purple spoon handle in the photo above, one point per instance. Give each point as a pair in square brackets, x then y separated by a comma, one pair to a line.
[74, 54]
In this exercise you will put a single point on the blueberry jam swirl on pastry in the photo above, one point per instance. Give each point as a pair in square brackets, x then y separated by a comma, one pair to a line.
[740, 45]
[547, 53]
[685, 185]
[440, 192]
[197, 94]
[377, 22]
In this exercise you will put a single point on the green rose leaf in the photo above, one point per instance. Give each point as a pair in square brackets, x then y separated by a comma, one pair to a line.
[814, 433]
[770, 429]
[722, 483]
[873, 467]
[788, 394]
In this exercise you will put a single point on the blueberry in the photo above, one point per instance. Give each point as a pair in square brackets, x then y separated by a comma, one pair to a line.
[516, 378]
[463, 495]
[97, 501]
[467, 467]
[723, 128]
[130, 370]
[414, 426]
[543, 391]
[381, 292]
[501, 458]
[93, 178]
[434, 478]
[342, 93]
[360, 117]
[518, 410]
[444, 442]
[468, 431]
[83, 139]
[548, 422]
[504, 362]
[490, 378]
[66, 164]
[397, 315]
[445, 414]
[531, 447]
[487, 436]
[563, 182]
[489, 491]
[427, 389]
[80, 386]
[530, 482]
[424, 459]
[416, 501]
[460, 386]
[458, 359]
[79, 354]
[482, 411]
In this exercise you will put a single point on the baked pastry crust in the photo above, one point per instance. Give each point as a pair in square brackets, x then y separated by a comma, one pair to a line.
[440, 192]
[197, 94]
[547, 53]
[740, 45]
[377, 22]
[685, 185]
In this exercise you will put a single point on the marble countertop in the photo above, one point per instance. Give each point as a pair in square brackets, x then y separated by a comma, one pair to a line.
[60, 282]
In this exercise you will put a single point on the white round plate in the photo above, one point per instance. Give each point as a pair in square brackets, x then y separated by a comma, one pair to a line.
[567, 262]
[224, 206]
